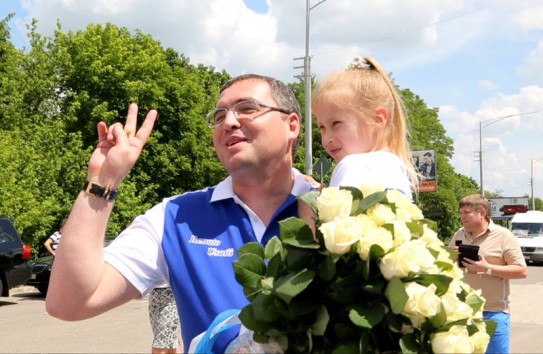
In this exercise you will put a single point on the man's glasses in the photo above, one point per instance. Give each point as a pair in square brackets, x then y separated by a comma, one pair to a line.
[244, 110]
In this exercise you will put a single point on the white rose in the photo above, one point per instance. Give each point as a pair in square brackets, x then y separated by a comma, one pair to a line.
[422, 303]
[430, 237]
[370, 189]
[402, 234]
[480, 339]
[334, 202]
[454, 308]
[397, 197]
[381, 214]
[455, 340]
[377, 236]
[340, 234]
[409, 212]
[412, 256]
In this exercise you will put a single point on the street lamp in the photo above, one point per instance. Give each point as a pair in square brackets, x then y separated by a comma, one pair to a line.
[532, 179]
[486, 123]
[307, 78]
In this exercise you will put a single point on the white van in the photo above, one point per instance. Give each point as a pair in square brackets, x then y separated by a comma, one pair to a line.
[528, 227]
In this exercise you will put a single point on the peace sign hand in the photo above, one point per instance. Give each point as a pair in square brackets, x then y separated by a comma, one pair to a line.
[119, 147]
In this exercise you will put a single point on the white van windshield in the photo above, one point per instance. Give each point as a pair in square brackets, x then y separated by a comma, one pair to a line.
[527, 229]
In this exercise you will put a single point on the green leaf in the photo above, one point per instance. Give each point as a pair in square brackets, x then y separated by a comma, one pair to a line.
[247, 317]
[327, 268]
[440, 319]
[490, 327]
[367, 316]
[416, 228]
[298, 258]
[273, 247]
[370, 201]
[293, 284]
[297, 233]
[396, 295]
[347, 347]
[474, 301]
[275, 266]
[357, 193]
[408, 344]
[267, 285]
[251, 248]
[310, 198]
[264, 308]
[249, 270]
[319, 327]
[439, 280]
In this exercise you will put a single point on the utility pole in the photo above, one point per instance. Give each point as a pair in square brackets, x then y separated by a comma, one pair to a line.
[307, 83]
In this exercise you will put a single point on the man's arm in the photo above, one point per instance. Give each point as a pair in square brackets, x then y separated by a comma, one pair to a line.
[82, 285]
[506, 271]
[47, 244]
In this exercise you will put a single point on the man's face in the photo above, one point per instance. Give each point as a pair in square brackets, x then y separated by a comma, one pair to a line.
[247, 147]
[472, 220]
[427, 160]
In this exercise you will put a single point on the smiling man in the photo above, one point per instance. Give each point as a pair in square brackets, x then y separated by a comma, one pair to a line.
[188, 241]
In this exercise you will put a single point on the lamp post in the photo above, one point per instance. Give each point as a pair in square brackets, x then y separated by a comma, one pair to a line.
[532, 161]
[307, 79]
[486, 123]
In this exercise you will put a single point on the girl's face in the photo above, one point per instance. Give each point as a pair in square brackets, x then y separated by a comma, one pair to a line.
[344, 132]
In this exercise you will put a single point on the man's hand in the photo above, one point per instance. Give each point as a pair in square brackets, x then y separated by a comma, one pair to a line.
[119, 147]
[479, 266]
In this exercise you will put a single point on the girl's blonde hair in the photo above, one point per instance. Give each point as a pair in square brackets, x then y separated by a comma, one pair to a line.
[363, 87]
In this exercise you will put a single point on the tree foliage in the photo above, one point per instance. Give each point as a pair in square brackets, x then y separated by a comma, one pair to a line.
[54, 93]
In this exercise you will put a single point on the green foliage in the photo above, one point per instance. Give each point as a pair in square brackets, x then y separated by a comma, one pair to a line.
[53, 94]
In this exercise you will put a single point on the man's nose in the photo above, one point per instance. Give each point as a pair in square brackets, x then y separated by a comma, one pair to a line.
[231, 119]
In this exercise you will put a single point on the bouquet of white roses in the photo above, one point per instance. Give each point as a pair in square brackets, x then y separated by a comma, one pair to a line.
[377, 279]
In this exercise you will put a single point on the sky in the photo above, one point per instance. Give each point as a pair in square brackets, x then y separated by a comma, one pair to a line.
[476, 61]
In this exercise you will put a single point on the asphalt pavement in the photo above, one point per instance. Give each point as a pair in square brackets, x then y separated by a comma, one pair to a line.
[25, 327]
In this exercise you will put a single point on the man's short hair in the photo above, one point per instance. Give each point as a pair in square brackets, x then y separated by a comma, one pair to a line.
[477, 202]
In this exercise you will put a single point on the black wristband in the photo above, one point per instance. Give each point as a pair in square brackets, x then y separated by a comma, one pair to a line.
[100, 191]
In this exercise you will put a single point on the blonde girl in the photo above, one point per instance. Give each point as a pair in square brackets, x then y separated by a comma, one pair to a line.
[364, 127]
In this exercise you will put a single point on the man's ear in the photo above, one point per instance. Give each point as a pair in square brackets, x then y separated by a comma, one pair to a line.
[380, 116]
[294, 123]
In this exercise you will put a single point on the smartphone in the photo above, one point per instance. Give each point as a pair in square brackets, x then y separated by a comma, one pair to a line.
[467, 251]
[458, 242]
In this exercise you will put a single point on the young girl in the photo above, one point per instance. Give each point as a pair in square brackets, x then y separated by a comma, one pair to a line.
[364, 128]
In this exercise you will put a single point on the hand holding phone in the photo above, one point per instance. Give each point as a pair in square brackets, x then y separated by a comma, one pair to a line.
[467, 251]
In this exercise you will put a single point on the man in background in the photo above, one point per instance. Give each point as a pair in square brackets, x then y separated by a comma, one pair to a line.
[500, 259]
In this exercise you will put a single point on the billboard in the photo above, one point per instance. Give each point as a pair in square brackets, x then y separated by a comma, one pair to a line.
[425, 164]
[507, 207]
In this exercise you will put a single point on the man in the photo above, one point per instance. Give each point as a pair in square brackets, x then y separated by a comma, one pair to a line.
[188, 241]
[428, 167]
[500, 259]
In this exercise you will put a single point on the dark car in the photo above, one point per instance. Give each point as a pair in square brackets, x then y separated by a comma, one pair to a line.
[15, 258]
[41, 272]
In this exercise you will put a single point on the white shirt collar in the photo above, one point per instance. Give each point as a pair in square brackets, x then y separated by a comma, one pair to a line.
[224, 189]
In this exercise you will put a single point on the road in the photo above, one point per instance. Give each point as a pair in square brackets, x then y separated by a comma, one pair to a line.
[25, 327]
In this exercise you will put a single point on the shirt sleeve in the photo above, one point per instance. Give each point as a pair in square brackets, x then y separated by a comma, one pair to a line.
[137, 252]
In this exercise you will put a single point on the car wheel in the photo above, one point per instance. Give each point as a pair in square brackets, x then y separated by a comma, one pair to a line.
[43, 289]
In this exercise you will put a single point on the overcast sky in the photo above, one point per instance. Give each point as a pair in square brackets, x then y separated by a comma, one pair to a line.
[474, 60]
